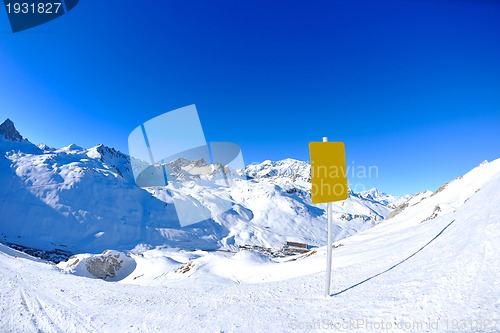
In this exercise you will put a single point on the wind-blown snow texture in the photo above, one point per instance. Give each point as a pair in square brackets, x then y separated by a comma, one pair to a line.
[85, 200]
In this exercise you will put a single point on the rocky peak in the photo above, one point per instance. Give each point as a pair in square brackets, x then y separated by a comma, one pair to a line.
[9, 131]
[105, 151]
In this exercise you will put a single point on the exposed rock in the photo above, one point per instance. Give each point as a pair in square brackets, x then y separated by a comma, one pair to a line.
[434, 214]
[396, 211]
[107, 265]
[440, 189]
[9, 131]
[185, 268]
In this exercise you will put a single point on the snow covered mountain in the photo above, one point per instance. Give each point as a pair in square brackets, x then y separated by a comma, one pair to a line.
[84, 200]
[427, 206]
[289, 169]
[390, 200]
[431, 264]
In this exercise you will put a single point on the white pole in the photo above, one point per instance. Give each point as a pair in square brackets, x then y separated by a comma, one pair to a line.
[329, 250]
[329, 244]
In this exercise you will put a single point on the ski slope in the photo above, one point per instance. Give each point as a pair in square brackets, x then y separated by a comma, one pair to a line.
[409, 273]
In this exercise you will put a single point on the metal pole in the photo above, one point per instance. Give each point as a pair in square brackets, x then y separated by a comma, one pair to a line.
[329, 244]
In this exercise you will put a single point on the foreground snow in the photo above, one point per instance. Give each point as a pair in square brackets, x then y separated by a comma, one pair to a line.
[423, 270]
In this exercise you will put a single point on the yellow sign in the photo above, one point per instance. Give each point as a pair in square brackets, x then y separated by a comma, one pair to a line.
[328, 171]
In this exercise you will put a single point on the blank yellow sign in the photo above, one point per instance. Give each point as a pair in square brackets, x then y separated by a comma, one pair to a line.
[328, 171]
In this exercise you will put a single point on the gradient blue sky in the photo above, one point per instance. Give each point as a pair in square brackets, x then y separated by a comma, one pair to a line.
[412, 87]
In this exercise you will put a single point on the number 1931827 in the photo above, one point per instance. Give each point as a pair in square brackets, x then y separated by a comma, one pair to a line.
[33, 8]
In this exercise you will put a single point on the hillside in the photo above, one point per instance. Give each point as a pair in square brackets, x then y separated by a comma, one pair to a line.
[75, 200]
[409, 273]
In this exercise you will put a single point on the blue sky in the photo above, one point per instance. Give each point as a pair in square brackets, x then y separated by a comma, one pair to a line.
[412, 87]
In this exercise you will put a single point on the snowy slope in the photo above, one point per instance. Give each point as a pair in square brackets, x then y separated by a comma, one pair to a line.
[427, 206]
[65, 199]
[408, 273]
[84, 200]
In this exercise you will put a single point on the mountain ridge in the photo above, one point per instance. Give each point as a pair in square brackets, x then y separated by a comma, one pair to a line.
[85, 200]
[76, 199]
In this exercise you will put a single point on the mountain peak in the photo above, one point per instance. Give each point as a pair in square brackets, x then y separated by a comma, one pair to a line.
[287, 169]
[9, 131]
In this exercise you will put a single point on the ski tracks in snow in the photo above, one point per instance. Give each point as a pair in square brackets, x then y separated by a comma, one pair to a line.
[46, 310]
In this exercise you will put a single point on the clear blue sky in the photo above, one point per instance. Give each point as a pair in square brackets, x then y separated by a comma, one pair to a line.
[412, 87]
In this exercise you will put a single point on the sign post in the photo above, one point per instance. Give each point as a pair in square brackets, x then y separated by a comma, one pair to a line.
[328, 184]
[328, 276]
